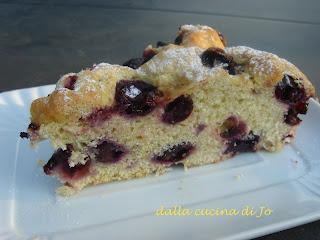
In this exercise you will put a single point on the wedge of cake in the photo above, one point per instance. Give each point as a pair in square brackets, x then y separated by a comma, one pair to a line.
[193, 102]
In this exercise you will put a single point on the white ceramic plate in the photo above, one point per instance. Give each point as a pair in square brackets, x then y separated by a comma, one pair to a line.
[287, 182]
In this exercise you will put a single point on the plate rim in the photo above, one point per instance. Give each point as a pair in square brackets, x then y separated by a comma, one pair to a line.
[256, 232]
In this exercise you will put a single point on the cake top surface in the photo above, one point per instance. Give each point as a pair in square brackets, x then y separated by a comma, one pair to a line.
[193, 28]
[201, 36]
[182, 61]
[172, 68]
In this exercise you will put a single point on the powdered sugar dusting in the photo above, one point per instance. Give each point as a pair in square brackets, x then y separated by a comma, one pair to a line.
[262, 63]
[87, 84]
[175, 64]
[101, 65]
[262, 67]
[84, 84]
[184, 62]
[61, 82]
[64, 91]
[193, 28]
[132, 91]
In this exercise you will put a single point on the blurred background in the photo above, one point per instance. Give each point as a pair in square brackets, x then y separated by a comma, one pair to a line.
[41, 40]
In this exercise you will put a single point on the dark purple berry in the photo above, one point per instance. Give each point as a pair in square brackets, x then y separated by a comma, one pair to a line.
[246, 144]
[289, 91]
[301, 107]
[161, 44]
[58, 164]
[291, 117]
[175, 153]
[136, 97]
[137, 62]
[215, 56]
[98, 116]
[134, 63]
[148, 54]
[33, 126]
[178, 39]
[178, 110]
[109, 152]
[233, 128]
[58, 156]
[77, 171]
[24, 135]
[70, 81]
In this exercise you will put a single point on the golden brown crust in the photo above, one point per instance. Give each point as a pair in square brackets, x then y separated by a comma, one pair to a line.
[172, 70]
[267, 69]
[201, 36]
[93, 89]
[64, 105]
[218, 82]
[193, 36]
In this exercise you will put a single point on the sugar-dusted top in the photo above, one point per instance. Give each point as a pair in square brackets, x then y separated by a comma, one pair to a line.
[173, 69]
[175, 66]
[193, 28]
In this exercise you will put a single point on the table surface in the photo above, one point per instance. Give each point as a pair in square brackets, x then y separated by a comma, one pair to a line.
[41, 40]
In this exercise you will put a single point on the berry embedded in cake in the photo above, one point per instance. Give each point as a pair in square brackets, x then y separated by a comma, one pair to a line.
[191, 102]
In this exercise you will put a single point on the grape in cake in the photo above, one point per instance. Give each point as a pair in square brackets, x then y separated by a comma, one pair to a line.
[193, 102]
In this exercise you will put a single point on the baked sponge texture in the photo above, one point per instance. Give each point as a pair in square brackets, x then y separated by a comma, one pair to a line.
[191, 102]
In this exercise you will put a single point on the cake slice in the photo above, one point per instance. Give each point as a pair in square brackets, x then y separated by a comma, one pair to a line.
[193, 102]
